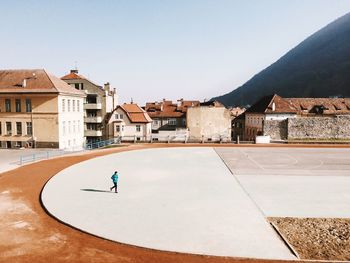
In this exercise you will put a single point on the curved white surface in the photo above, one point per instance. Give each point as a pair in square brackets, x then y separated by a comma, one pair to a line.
[173, 199]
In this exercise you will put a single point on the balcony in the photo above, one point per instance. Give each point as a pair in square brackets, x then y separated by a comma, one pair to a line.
[92, 106]
[96, 133]
[91, 119]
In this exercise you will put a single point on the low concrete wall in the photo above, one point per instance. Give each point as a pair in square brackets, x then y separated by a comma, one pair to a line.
[276, 129]
[337, 127]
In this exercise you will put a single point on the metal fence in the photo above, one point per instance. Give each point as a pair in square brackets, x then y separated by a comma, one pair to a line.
[100, 144]
[39, 156]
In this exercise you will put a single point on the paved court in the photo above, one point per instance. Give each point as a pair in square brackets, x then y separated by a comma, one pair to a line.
[202, 200]
[174, 199]
[294, 182]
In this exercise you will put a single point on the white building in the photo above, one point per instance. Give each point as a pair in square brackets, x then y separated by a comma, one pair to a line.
[130, 122]
[100, 102]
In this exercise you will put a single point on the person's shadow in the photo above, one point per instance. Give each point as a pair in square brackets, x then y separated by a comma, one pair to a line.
[96, 190]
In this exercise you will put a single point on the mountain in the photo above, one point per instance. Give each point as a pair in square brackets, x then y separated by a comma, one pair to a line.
[318, 67]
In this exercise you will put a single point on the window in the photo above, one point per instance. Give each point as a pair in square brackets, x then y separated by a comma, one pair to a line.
[76, 85]
[78, 125]
[155, 122]
[7, 105]
[91, 126]
[68, 105]
[19, 128]
[8, 128]
[172, 122]
[18, 105]
[119, 116]
[73, 126]
[138, 128]
[122, 127]
[78, 105]
[29, 128]
[0, 129]
[73, 102]
[28, 105]
[64, 128]
[63, 105]
[117, 128]
[68, 127]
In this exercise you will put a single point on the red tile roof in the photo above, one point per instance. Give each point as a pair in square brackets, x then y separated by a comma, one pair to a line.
[72, 75]
[33, 81]
[301, 106]
[265, 105]
[135, 113]
[168, 109]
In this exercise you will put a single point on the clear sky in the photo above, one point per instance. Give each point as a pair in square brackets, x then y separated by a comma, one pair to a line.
[154, 49]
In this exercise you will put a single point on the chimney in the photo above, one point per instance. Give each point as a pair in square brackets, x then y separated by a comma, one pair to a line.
[273, 106]
[179, 102]
[107, 86]
[74, 71]
[24, 83]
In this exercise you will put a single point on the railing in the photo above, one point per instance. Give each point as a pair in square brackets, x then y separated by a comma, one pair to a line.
[39, 156]
[177, 139]
[100, 144]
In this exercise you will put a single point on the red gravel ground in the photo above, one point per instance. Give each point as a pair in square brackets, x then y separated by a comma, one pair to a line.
[29, 234]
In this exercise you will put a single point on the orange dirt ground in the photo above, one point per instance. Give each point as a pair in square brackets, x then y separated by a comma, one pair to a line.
[29, 234]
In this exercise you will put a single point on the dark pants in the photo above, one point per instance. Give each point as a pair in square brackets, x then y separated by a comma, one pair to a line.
[115, 187]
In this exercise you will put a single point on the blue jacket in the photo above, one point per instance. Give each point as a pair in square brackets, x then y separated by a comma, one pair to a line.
[115, 178]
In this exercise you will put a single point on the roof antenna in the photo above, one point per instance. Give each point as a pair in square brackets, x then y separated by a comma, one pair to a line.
[131, 101]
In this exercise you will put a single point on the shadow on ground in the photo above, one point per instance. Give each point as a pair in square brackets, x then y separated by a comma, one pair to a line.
[96, 190]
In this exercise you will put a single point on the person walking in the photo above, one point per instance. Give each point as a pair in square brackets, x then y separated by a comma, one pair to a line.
[115, 181]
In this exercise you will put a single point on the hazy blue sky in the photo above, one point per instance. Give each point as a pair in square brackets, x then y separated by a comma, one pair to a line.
[149, 50]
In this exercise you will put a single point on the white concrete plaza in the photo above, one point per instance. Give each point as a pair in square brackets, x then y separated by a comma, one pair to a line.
[174, 199]
[187, 200]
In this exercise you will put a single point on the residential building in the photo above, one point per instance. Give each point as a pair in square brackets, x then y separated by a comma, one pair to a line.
[238, 128]
[209, 121]
[38, 109]
[299, 118]
[267, 108]
[169, 119]
[100, 102]
[130, 122]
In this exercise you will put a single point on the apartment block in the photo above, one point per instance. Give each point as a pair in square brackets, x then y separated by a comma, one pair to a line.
[99, 103]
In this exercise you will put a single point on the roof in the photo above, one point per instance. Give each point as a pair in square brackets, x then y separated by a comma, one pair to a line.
[135, 113]
[33, 81]
[168, 109]
[73, 75]
[302, 106]
[330, 106]
[272, 104]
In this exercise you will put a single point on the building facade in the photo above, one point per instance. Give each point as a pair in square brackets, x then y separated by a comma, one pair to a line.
[99, 103]
[38, 109]
[209, 121]
[130, 123]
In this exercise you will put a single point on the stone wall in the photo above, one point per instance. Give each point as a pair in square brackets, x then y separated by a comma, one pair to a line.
[319, 127]
[276, 129]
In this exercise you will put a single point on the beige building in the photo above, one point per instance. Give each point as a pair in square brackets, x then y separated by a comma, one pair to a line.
[130, 122]
[39, 110]
[210, 121]
[100, 102]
